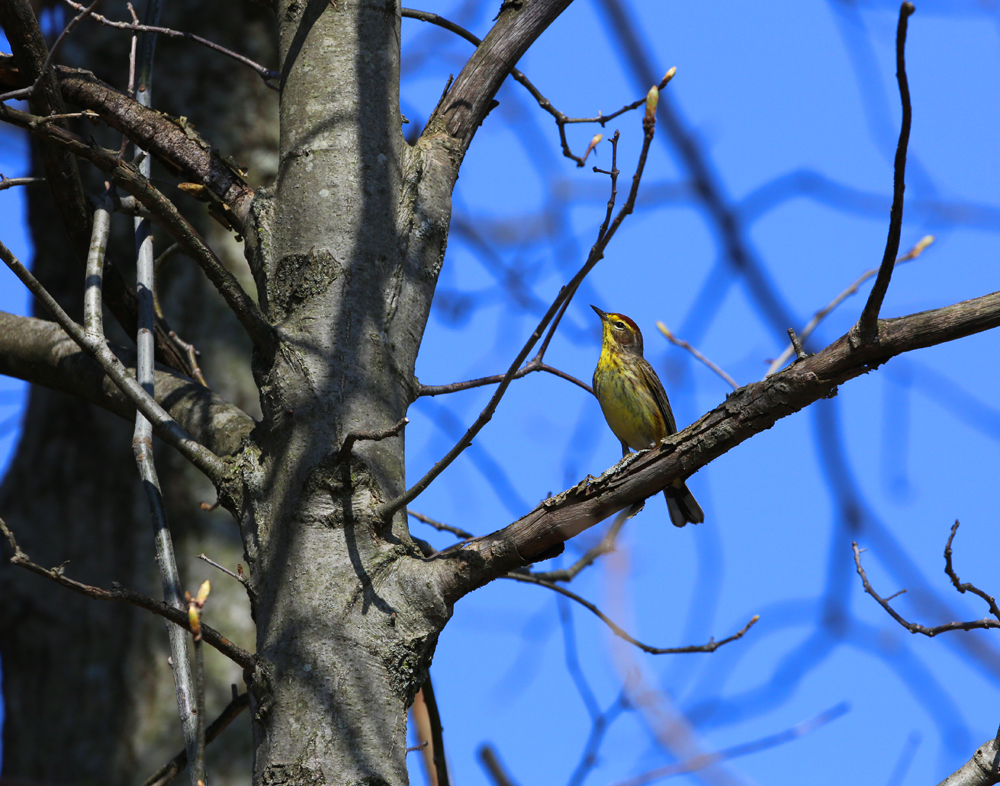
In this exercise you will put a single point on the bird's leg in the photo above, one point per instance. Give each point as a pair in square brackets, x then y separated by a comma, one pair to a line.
[627, 458]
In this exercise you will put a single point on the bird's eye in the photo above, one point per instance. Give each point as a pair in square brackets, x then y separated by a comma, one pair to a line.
[620, 325]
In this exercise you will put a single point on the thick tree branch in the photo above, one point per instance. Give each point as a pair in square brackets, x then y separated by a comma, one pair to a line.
[41, 352]
[866, 329]
[172, 141]
[470, 99]
[747, 411]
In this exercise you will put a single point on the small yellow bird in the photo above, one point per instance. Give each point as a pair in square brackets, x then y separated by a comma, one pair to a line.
[636, 406]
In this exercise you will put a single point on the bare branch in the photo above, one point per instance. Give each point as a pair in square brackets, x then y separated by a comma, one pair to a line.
[822, 314]
[916, 627]
[800, 353]
[10, 182]
[983, 769]
[711, 646]
[439, 526]
[532, 365]
[212, 637]
[685, 345]
[561, 119]
[704, 760]
[494, 767]
[241, 579]
[605, 234]
[263, 73]
[93, 317]
[967, 587]
[866, 329]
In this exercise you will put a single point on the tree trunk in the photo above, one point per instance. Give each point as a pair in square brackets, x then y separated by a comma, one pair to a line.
[343, 638]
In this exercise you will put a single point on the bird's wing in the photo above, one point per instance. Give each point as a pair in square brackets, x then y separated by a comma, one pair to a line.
[660, 395]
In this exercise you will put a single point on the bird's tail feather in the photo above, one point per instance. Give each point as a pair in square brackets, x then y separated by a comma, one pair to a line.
[682, 505]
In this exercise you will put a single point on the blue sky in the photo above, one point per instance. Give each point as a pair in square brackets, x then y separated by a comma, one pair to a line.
[794, 108]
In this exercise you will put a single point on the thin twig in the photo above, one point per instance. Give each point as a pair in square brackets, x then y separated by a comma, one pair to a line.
[916, 627]
[25, 92]
[704, 760]
[212, 637]
[966, 587]
[191, 352]
[372, 436]
[457, 531]
[214, 564]
[535, 364]
[176, 765]
[606, 546]
[866, 329]
[10, 182]
[711, 646]
[685, 345]
[824, 312]
[605, 234]
[796, 345]
[263, 73]
[494, 767]
[167, 428]
[561, 119]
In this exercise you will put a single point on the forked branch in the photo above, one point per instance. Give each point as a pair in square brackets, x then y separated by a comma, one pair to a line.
[916, 627]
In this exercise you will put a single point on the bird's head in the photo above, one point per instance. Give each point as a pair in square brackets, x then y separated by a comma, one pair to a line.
[620, 332]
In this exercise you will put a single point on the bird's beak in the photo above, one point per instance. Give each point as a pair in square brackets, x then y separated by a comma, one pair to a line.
[600, 313]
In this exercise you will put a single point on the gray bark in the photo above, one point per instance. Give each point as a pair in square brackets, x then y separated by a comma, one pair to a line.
[983, 769]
